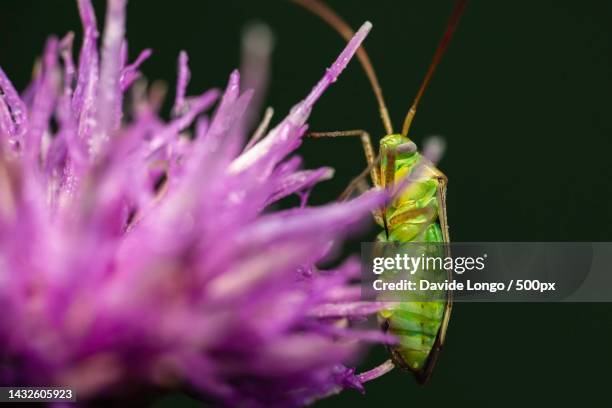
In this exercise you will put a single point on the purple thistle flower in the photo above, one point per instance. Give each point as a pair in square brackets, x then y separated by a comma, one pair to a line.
[136, 252]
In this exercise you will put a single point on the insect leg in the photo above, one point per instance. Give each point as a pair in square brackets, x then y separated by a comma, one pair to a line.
[388, 179]
[366, 142]
[441, 196]
[389, 167]
[358, 181]
[388, 170]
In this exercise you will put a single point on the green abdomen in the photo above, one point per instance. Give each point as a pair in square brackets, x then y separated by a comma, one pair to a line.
[413, 217]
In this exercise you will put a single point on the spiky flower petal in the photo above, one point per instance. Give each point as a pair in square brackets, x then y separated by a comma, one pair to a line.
[136, 252]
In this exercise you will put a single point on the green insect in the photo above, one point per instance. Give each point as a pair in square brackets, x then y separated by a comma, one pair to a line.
[417, 214]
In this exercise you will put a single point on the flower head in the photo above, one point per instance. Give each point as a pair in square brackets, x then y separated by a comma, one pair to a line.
[139, 252]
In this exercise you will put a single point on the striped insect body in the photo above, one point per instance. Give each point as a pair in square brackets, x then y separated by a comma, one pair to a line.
[416, 214]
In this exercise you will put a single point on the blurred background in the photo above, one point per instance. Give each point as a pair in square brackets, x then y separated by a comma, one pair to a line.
[523, 99]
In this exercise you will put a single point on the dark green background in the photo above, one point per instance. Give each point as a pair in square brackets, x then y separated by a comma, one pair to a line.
[523, 98]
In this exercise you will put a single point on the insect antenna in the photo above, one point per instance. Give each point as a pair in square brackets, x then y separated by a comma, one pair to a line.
[448, 34]
[324, 12]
